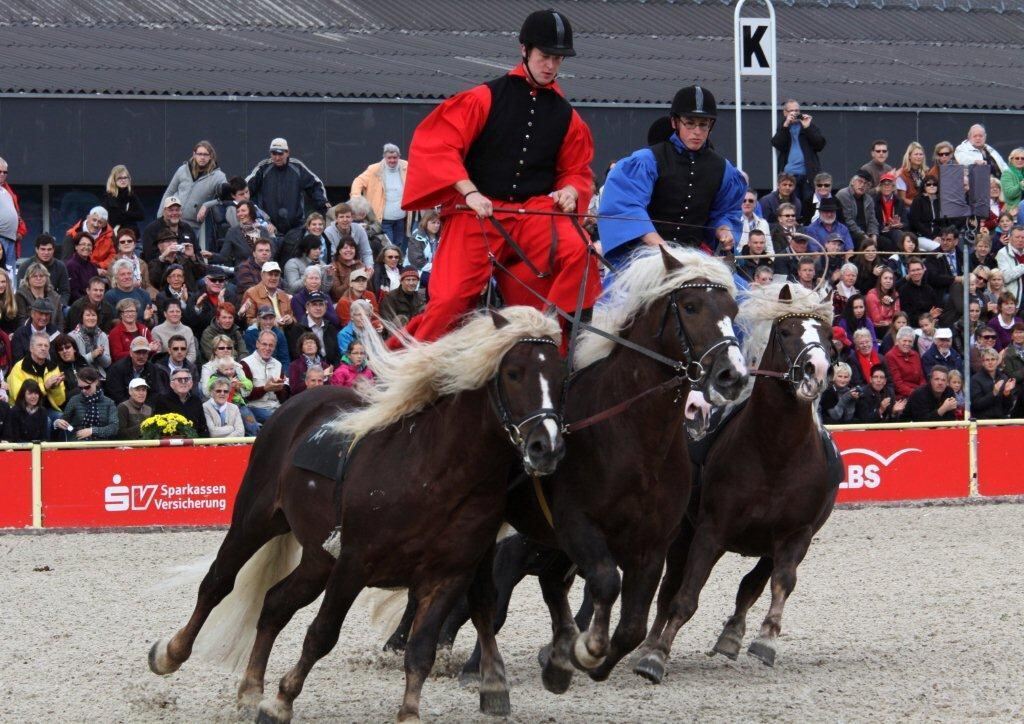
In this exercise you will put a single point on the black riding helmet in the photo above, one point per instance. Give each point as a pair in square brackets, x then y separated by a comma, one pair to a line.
[694, 101]
[549, 32]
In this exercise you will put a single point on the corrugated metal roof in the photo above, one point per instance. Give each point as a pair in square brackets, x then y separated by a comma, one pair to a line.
[830, 53]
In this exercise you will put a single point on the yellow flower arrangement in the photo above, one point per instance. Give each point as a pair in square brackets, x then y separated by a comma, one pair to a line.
[169, 425]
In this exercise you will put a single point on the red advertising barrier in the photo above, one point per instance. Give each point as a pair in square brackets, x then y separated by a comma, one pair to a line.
[904, 464]
[16, 489]
[999, 456]
[119, 487]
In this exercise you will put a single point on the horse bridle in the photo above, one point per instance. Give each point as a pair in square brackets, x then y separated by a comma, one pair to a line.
[794, 371]
[692, 369]
[514, 428]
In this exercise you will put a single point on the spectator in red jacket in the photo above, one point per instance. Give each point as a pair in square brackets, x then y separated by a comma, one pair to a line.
[905, 364]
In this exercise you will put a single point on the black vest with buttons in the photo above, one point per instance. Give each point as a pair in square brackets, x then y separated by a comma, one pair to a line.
[684, 192]
[514, 156]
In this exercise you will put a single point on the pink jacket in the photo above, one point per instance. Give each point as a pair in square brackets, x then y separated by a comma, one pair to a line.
[346, 375]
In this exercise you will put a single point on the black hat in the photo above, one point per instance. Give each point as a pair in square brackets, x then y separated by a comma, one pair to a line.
[659, 131]
[313, 297]
[693, 100]
[828, 204]
[864, 176]
[216, 274]
[549, 32]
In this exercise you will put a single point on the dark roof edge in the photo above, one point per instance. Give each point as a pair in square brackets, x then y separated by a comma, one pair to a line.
[434, 101]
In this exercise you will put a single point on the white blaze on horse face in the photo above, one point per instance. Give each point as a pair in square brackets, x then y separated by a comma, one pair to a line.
[545, 402]
[817, 355]
[735, 356]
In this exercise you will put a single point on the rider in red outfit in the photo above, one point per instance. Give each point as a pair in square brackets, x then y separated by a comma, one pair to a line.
[514, 142]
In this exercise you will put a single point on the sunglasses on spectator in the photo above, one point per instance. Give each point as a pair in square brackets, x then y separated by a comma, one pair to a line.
[784, 216]
[178, 349]
[748, 201]
[944, 153]
[182, 379]
[824, 186]
[988, 336]
[126, 241]
[221, 391]
[84, 385]
[4, 170]
[223, 347]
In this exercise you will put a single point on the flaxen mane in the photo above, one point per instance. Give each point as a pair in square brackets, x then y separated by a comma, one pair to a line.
[464, 359]
[761, 306]
[641, 283]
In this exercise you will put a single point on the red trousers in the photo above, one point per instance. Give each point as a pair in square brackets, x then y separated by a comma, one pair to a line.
[461, 267]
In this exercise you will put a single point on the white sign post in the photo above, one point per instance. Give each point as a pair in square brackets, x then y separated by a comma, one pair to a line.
[754, 55]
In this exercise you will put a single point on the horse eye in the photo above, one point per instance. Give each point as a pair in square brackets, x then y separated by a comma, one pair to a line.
[689, 308]
[784, 332]
[513, 375]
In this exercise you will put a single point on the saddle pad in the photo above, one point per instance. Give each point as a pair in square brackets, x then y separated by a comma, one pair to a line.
[323, 452]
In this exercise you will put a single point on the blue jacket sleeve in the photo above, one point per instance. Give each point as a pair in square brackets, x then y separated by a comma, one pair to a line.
[726, 208]
[627, 192]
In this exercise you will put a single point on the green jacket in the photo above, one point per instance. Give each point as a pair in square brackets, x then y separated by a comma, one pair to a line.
[1011, 181]
[106, 428]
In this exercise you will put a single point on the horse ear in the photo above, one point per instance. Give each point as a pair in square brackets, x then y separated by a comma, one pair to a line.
[784, 294]
[671, 263]
[499, 320]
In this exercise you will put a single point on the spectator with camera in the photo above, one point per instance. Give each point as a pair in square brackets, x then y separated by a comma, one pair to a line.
[798, 143]
[170, 220]
[877, 401]
[173, 254]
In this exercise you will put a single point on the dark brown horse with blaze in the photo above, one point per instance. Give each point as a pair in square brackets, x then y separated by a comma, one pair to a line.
[618, 497]
[422, 500]
[768, 484]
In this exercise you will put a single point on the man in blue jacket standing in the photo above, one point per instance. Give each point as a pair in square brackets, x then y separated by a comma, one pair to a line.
[678, 190]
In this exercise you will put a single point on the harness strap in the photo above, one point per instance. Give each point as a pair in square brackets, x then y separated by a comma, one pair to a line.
[518, 249]
[586, 422]
[542, 501]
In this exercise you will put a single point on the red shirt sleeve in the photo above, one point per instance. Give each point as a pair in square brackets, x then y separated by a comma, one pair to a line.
[439, 146]
[573, 165]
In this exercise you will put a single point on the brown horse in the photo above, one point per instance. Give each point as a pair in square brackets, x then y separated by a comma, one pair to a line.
[767, 485]
[422, 499]
[617, 499]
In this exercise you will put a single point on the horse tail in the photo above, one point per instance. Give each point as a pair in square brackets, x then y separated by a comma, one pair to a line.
[228, 635]
[386, 607]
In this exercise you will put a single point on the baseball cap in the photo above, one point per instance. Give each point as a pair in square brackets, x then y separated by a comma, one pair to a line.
[139, 343]
[864, 176]
[266, 311]
[358, 274]
[270, 266]
[138, 382]
[217, 275]
[834, 237]
[279, 144]
[171, 201]
[887, 176]
[943, 333]
[316, 297]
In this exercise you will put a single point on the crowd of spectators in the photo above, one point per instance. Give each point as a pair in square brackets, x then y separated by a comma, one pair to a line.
[247, 290]
[241, 293]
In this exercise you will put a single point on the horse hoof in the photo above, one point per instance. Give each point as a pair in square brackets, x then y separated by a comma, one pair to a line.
[159, 662]
[555, 678]
[581, 657]
[651, 667]
[274, 712]
[469, 677]
[763, 650]
[495, 702]
[249, 702]
[728, 645]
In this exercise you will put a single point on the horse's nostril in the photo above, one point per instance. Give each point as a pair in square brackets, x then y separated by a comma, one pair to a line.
[809, 369]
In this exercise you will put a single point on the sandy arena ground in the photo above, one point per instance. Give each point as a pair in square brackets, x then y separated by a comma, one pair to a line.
[900, 613]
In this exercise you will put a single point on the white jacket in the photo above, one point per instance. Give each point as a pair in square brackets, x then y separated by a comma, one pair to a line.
[233, 426]
[966, 154]
[1012, 272]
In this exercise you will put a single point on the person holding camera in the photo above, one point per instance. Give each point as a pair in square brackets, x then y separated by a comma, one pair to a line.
[170, 219]
[798, 143]
[172, 255]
